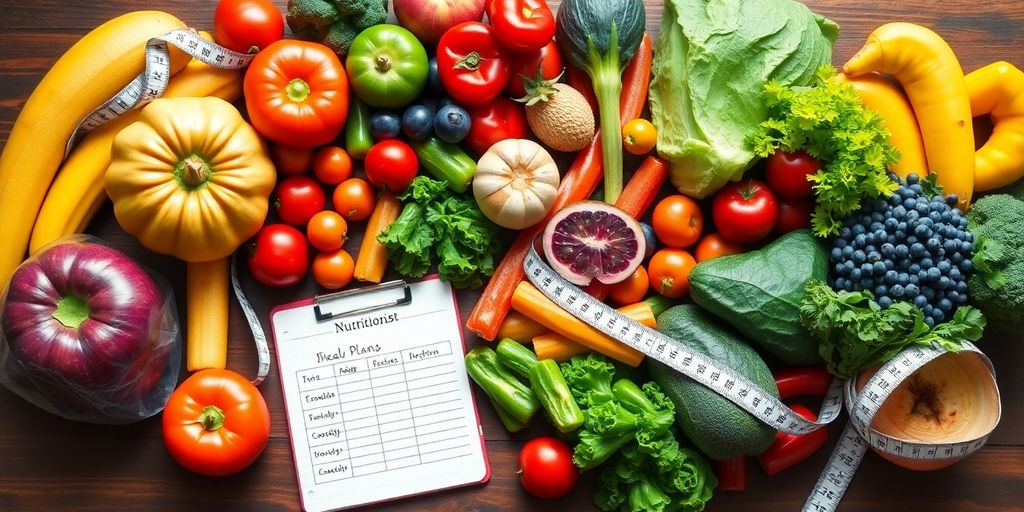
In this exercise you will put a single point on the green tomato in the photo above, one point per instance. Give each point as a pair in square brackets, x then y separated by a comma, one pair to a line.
[387, 66]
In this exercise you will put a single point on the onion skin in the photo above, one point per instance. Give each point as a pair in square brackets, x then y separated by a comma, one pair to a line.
[114, 350]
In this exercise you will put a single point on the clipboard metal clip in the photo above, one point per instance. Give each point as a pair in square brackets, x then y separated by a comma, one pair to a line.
[323, 314]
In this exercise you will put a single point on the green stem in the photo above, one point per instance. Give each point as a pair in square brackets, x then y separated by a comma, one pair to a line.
[212, 418]
[606, 75]
[297, 89]
[71, 311]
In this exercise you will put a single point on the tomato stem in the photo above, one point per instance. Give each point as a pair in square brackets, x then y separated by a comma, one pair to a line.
[297, 89]
[383, 63]
[470, 62]
[749, 191]
[212, 418]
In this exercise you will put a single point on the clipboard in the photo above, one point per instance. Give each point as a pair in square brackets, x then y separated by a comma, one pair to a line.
[377, 399]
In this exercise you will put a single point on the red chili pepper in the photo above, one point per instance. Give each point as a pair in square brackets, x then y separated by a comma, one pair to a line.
[802, 381]
[473, 66]
[788, 449]
[497, 121]
[732, 473]
[522, 25]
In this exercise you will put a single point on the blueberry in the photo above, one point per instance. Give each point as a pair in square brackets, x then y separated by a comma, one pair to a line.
[896, 291]
[922, 208]
[956, 258]
[922, 232]
[928, 293]
[899, 212]
[884, 302]
[385, 124]
[922, 276]
[911, 240]
[929, 321]
[847, 251]
[961, 287]
[938, 315]
[859, 256]
[945, 216]
[911, 290]
[849, 266]
[968, 236]
[966, 247]
[954, 274]
[958, 298]
[934, 216]
[861, 239]
[891, 277]
[888, 250]
[902, 251]
[891, 224]
[962, 223]
[950, 246]
[914, 268]
[912, 216]
[926, 263]
[934, 273]
[913, 178]
[889, 264]
[840, 269]
[880, 204]
[881, 290]
[850, 285]
[867, 283]
[867, 269]
[873, 255]
[434, 79]
[879, 268]
[966, 266]
[418, 122]
[841, 282]
[900, 235]
[869, 238]
[920, 301]
[913, 279]
[855, 275]
[903, 265]
[845, 233]
[858, 229]
[933, 245]
[952, 199]
[841, 242]
[452, 123]
[837, 254]
[944, 282]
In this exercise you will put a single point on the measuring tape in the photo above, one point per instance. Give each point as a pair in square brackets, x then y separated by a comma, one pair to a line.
[725, 381]
[151, 84]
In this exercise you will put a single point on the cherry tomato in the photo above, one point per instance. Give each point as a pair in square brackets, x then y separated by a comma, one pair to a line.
[247, 26]
[547, 61]
[793, 215]
[280, 256]
[333, 269]
[632, 290]
[745, 212]
[714, 245]
[298, 199]
[677, 221]
[332, 165]
[291, 161]
[639, 136]
[354, 199]
[391, 164]
[787, 173]
[546, 469]
[669, 272]
[327, 231]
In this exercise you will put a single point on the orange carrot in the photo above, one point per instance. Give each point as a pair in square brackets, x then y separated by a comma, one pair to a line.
[529, 301]
[560, 348]
[372, 260]
[520, 328]
[579, 183]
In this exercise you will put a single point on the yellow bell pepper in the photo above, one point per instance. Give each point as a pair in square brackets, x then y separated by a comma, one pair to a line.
[997, 90]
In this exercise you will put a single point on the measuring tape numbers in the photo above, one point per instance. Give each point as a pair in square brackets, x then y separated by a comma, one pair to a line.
[151, 84]
[862, 405]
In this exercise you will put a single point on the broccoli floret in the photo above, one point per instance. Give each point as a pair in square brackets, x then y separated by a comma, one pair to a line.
[590, 379]
[334, 23]
[997, 286]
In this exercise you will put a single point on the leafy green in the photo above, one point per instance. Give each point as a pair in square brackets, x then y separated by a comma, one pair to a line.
[830, 123]
[334, 23]
[709, 59]
[438, 225]
[855, 332]
[997, 288]
[657, 476]
[590, 379]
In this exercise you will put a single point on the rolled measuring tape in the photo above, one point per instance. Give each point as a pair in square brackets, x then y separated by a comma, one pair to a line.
[862, 405]
[151, 84]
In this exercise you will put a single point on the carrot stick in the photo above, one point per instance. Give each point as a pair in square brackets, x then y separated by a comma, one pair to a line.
[520, 328]
[579, 183]
[529, 301]
[558, 347]
[372, 260]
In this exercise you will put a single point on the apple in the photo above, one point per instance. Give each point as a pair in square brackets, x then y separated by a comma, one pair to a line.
[86, 323]
[430, 19]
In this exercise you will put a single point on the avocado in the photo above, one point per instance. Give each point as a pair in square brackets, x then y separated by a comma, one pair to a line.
[715, 425]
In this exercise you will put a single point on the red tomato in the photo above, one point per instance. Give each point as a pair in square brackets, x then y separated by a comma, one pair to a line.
[354, 199]
[714, 245]
[473, 66]
[669, 272]
[298, 199]
[247, 26]
[547, 60]
[677, 221]
[502, 119]
[793, 215]
[786, 173]
[216, 423]
[744, 212]
[327, 231]
[546, 469]
[332, 165]
[280, 256]
[522, 25]
[391, 164]
[333, 269]
[291, 161]
[632, 290]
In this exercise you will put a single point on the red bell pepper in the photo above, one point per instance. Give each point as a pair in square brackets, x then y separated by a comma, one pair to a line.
[731, 473]
[499, 120]
[547, 61]
[522, 25]
[788, 449]
[472, 64]
[802, 381]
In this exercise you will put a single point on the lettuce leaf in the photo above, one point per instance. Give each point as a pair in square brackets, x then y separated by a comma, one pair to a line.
[711, 61]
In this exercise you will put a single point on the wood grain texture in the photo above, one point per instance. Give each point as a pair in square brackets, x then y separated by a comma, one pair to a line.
[48, 463]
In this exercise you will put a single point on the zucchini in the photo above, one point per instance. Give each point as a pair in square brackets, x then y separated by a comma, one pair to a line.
[445, 161]
[553, 392]
[516, 357]
[503, 388]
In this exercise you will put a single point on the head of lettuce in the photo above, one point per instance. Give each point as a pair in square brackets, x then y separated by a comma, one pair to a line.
[711, 62]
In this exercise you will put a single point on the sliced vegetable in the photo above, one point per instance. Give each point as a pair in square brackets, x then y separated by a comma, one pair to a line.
[516, 357]
[552, 391]
[592, 240]
[473, 65]
[997, 90]
[446, 161]
[510, 423]
[358, 138]
[600, 37]
[577, 184]
[501, 385]
[372, 260]
[788, 449]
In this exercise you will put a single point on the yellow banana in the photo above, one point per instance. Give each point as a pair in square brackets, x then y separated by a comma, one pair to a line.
[91, 71]
[77, 193]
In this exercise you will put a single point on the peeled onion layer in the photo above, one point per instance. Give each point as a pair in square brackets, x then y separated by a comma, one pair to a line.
[952, 399]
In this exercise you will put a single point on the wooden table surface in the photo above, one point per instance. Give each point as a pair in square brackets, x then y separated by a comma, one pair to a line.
[48, 463]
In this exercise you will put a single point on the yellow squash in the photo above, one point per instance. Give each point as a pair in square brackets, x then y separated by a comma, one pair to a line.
[929, 72]
[192, 179]
[885, 97]
[91, 72]
[77, 193]
[997, 90]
